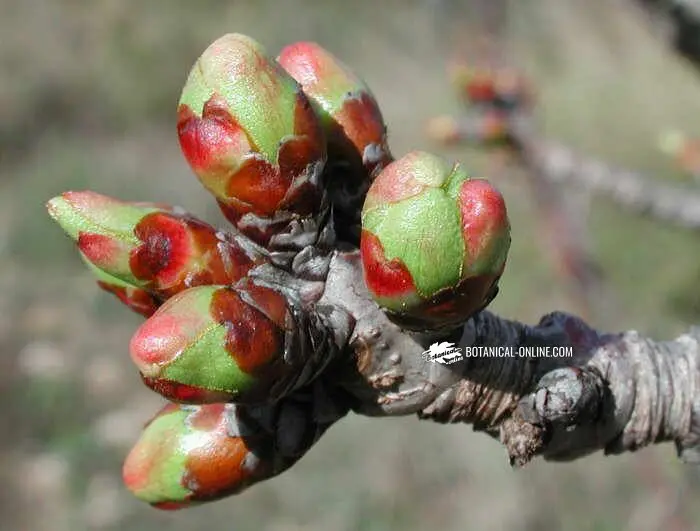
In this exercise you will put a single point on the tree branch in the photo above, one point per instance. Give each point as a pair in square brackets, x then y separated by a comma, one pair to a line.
[617, 393]
[631, 190]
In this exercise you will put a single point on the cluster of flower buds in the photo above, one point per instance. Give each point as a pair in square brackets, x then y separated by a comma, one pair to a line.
[292, 149]
[493, 97]
[684, 150]
[260, 132]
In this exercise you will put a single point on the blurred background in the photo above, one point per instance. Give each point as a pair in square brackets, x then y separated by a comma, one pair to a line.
[87, 100]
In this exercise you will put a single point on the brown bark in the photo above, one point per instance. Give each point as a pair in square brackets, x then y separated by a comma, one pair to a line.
[618, 392]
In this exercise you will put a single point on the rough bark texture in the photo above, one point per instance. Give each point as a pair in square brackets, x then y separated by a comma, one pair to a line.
[617, 393]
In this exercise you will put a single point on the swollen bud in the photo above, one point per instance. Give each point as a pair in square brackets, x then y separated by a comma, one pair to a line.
[144, 253]
[193, 454]
[250, 134]
[215, 344]
[434, 242]
[349, 112]
[352, 121]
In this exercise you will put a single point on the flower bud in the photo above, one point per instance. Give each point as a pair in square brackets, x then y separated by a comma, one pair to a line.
[354, 127]
[250, 134]
[147, 247]
[215, 344]
[350, 114]
[502, 88]
[434, 242]
[474, 85]
[191, 454]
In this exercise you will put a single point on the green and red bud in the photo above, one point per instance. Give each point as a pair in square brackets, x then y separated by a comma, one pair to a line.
[250, 134]
[215, 344]
[434, 242]
[144, 253]
[353, 124]
[350, 114]
[193, 454]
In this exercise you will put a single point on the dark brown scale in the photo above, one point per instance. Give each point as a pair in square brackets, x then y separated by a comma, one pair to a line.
[232, 213]
[219, 469]
[260, 185]
[451, 306]
[252, 339]
[237, 264]
[258, 229]
[268, 301]
[156, 231]
[355, 126]
[295, 155]
[304, 199]
[305, 120]
[218, 270]
[308, 127]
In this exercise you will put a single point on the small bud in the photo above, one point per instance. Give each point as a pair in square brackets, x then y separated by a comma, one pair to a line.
[350, 114]
[193, 454]
[434, 242]
[250, 134]
[103, 228]
[146, 247]
[353, 123]
[503, 88]
[215, 344]
[474, 85]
